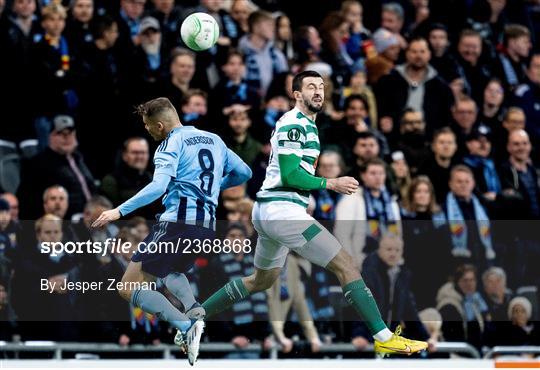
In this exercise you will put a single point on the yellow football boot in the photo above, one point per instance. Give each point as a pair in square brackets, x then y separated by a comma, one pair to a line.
[398, 345]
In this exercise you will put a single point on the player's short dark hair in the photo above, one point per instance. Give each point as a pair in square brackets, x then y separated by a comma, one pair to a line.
[100, 25]
[257, 17]
[299, 79]
[354, 97]
[372, 162]
[154, 107]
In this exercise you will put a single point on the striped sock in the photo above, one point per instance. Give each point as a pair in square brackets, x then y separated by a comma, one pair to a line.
[228, 295]
[178, 285]
[359, 296]
[154, 302]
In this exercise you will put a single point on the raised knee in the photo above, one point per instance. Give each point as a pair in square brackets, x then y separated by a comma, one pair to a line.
[255, 285]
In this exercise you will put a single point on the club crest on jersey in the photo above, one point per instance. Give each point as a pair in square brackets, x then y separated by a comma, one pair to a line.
[293, 134]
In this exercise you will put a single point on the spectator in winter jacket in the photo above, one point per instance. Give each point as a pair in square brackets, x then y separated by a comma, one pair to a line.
[513, 119]
[413, 141]
[426, 237]
[441, 59]
[518, 174]
[240, 140]
[470, 227]
[169, 16]
[19, 25]
[496, 293]
[519, 179]
[463, 309]
[59, 164]
[387, 49]
[263, 59]
[465, 115]
[437, 166]
[374, 209]
[334, 29]
[415, 85]
[55, 68]
[389, 282]
[527, 97]
[129, 22]
[131, 174]
[78, 29]
[474, 72]
[482, 165]
[511, 65]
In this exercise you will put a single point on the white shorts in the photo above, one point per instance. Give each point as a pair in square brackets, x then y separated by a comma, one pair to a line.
[283, 225]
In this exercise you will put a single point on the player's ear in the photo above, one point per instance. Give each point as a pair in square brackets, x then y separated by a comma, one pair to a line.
[297, 95]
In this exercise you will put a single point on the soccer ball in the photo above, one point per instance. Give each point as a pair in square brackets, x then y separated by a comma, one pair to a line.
[199, 31]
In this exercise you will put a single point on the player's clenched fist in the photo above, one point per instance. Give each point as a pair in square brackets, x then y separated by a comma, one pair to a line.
[106, 217]
[344, 185]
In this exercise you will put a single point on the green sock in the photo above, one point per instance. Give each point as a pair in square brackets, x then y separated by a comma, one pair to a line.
[359, 296]
[229, 294]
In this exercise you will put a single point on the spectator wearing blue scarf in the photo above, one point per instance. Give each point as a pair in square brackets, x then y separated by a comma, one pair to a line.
[55, 73]
[194, 108]
[469, 223]
[325, 292]
[233, 89]
[427, 238]
[463, 309]
[374, 210]
[483, 167]
[263, 59]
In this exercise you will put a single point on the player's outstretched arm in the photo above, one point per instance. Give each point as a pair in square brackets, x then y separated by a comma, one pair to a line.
[237, 171]
[145, 196]
[294, 176]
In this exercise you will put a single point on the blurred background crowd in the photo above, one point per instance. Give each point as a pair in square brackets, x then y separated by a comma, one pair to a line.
[434, 106]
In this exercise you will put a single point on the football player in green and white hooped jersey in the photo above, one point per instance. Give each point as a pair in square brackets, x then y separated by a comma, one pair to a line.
[282, 223]
[295, 142]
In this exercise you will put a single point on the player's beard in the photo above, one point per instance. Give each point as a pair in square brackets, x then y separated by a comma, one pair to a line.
[313, 108]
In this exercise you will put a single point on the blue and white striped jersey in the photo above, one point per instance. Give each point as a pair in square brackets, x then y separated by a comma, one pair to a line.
[197, 161]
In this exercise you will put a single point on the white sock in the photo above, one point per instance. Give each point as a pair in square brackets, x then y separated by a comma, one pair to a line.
[383, 336]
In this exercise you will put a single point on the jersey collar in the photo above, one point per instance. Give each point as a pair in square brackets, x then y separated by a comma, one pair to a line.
[299, 114]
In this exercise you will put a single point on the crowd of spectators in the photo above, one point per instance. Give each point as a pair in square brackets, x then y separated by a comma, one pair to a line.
[434, 106]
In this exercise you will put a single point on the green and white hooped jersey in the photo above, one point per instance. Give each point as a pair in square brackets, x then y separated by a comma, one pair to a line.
[294, 134]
